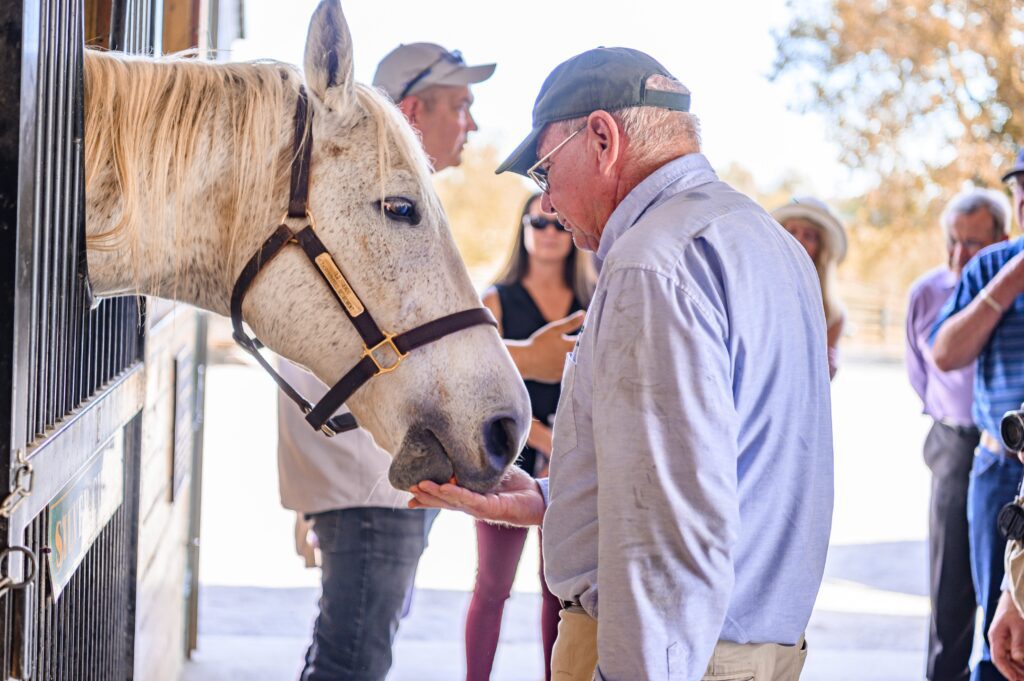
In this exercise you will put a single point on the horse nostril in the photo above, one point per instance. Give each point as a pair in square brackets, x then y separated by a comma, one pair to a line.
[501, 440]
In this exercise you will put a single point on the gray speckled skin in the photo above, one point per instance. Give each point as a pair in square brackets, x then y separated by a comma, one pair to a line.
[431, 412]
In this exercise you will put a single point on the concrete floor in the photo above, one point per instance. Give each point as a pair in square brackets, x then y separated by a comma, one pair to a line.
[258, 603]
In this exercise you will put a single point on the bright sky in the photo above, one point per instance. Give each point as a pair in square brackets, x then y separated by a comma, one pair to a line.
[723, 51]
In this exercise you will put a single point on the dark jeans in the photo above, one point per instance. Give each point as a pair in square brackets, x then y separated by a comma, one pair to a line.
[994, 480]
[368, 561]
[949, 453]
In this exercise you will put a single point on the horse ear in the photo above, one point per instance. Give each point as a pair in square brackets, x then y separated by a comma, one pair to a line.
[328, 60]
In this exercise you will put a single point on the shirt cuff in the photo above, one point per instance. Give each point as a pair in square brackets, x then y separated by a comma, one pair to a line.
[543, 484]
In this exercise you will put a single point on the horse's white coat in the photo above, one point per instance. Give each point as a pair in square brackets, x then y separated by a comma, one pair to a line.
[186, 172]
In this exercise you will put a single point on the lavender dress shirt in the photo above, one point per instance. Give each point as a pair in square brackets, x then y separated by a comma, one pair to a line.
[946, 395]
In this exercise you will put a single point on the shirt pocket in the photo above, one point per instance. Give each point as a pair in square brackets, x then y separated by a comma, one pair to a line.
[564, 431]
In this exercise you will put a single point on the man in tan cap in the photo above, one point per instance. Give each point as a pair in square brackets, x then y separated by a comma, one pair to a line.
[431, 87]
[370, 543]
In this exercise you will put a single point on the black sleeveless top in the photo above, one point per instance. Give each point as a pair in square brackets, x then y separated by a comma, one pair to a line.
[520, 317]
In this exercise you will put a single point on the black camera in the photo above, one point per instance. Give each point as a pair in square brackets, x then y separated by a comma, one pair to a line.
[1011, 428]
[1011, 516]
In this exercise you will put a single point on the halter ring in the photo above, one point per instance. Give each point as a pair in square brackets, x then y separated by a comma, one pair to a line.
[388, 342]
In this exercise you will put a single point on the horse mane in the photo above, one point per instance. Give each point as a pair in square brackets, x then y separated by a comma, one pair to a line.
[149, 121]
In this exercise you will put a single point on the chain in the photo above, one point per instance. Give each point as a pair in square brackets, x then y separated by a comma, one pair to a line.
[22, 487]
[6, 583]
[22, 490]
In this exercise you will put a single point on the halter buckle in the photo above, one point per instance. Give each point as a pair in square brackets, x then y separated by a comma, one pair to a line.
[309, 219]
[387, 344]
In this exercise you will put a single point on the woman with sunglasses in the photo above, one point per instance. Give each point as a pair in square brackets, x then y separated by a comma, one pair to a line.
[546, 279]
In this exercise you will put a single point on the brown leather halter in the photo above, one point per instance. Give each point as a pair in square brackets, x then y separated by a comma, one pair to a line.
[382, 352]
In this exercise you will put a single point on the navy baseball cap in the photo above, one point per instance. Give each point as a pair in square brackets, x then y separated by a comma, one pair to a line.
[1017, 168]
[605, 78]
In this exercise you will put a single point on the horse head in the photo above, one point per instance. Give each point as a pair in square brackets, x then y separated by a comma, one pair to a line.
[454, 407]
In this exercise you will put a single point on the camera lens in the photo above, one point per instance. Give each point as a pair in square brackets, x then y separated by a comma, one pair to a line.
[1012, 430]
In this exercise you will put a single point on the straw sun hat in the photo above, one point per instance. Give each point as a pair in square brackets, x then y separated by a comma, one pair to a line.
[816, 212]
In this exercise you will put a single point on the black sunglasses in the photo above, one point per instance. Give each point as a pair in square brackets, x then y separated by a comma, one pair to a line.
[453, 57]
[539, 222]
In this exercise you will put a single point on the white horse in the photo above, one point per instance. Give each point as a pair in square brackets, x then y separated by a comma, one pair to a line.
[187, 167]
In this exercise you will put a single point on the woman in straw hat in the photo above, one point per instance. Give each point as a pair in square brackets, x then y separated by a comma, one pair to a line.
[822, 235]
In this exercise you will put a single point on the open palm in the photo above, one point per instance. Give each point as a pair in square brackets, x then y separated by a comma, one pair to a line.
[516, 501]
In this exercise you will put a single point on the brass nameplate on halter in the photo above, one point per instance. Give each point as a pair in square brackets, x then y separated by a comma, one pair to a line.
[340, 285]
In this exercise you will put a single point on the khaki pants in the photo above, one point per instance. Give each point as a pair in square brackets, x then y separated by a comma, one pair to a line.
[574, 657]
[756, 662]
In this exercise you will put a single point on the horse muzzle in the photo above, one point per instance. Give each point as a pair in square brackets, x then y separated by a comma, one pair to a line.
[430, 452]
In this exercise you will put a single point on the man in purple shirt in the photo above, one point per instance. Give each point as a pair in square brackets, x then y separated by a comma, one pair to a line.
[971, 221]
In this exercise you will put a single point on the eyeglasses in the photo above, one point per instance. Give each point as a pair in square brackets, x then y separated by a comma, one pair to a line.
[539, 174]
[540, 223]
[453, 57]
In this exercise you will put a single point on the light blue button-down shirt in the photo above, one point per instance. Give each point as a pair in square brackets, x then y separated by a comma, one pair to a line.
[691, 478]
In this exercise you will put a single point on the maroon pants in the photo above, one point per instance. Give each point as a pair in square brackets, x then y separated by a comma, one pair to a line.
[499, 549]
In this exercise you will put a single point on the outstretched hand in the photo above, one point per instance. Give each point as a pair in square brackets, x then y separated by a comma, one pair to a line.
[1006, 639]
[541, 357]
[516, 501]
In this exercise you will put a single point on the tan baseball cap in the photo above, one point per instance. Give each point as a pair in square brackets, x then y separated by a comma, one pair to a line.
[407, 69]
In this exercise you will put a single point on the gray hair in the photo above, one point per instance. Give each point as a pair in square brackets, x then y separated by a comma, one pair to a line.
[651, 129]
[970, 201]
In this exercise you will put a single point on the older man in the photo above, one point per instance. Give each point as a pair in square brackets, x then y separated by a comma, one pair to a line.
[691, 481]
[981, 325]
[971, 221]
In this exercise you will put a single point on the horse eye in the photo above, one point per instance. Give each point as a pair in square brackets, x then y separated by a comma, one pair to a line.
[400, 209]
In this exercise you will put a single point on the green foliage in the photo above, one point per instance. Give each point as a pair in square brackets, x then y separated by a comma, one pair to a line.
[927, 86]
[924, 97]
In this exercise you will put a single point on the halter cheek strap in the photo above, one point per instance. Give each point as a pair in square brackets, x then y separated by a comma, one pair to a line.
[382, 352]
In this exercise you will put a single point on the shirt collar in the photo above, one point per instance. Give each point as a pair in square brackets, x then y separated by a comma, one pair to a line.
[950, 280]
[678, 175]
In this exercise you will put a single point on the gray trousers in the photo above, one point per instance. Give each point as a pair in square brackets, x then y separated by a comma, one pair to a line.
[949, 453]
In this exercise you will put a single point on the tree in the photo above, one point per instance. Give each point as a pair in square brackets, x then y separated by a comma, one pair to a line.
[924, 97]
[925, 87]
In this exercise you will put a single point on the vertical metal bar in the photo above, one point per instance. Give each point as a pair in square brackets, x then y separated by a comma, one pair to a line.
[118, 13]
[80, 308]
[59, 198]
[19, 103]
[99, 337]
[49, 219]
[65, 282]
[196, 488]
[39, 79]
[76, 147]
[45, 625]
[109, 329]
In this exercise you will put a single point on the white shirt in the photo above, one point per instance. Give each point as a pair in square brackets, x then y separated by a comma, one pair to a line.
[318, 473]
